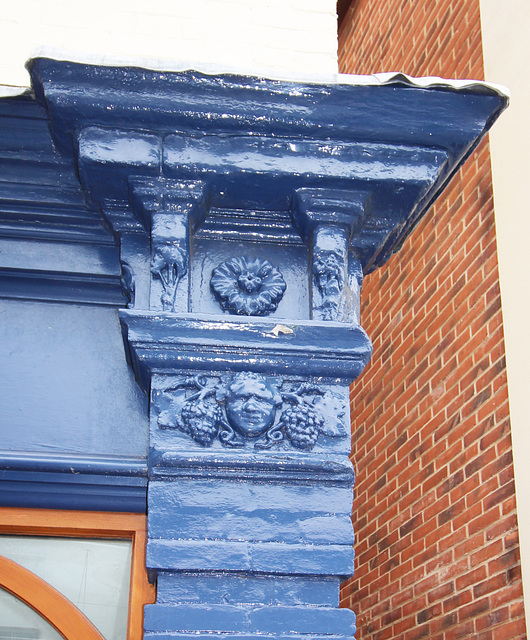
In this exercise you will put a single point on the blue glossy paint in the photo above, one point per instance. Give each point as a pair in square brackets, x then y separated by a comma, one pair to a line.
[250, 619]
[228, 103]
[236, 589]
[66, 481]
[331, 350]
[256, 141]
[71, 411]
[234, 217]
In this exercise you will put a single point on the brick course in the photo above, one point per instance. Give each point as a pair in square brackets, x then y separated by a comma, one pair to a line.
[437, 552]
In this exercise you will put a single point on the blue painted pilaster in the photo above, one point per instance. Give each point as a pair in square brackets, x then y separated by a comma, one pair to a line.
[250, 485]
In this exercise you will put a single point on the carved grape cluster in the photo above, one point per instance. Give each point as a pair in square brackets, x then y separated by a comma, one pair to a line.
[302, 425]
[200, 419]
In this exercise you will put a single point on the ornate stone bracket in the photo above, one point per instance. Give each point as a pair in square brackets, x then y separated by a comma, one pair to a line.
[330, 219]
[168, 208]
[157, 220]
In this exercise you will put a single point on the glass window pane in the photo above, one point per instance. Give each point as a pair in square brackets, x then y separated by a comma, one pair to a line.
[20, 622]
[93, 574]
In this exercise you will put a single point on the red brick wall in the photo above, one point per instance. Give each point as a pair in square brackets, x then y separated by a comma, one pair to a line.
[437, 552]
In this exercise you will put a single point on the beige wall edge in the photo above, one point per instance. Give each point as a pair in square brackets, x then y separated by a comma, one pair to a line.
[506, 46]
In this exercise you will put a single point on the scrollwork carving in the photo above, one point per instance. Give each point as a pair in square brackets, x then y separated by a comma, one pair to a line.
[249, 408]
[169, 266]
[246, 286]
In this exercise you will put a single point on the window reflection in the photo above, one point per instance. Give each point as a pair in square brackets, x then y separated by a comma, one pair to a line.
[20, 622]
[93, 574]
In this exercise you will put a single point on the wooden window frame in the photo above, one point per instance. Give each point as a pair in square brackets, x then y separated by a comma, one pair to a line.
[93, 524]
[51, 605]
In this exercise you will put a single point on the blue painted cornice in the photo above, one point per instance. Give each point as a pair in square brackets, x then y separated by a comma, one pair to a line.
[53, 247]
[246, 211]
[256, 142]
[40, 195]
[330, 350]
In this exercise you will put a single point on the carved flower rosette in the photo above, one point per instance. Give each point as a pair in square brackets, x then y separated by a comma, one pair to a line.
[249, 409]
[247, 286]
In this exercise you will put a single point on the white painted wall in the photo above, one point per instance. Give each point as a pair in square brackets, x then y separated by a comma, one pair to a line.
[506, 44]
[279, 38]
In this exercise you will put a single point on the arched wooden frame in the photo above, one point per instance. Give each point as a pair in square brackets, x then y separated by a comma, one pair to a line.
[91, 524]
[51, 605]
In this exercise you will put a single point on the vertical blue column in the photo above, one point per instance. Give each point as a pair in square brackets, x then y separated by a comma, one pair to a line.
[250, 484]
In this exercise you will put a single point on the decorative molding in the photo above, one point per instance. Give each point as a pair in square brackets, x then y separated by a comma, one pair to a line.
[44, 481]
[40, 195]
[301, 347]
[248, 286]
[72, 463]
[50, 286]
[292, 467]
[398, 140]
[249, 225]
[369, 109]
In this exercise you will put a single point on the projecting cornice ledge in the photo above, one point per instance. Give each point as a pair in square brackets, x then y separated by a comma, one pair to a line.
[257, 144]
[324, 349]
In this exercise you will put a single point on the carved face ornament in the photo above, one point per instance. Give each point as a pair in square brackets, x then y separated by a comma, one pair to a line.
[250, 406]
[251, 402]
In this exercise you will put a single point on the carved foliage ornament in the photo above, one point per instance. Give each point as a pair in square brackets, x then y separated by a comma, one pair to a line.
[247, 286]
[249, 407]
[168, 264]
[328, 271]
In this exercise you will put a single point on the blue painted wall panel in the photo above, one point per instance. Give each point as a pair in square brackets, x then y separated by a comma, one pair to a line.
[65, 385]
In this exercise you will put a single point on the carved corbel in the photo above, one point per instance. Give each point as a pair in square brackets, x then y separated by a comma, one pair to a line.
[168, 209]
[134, 251]
[328, 219]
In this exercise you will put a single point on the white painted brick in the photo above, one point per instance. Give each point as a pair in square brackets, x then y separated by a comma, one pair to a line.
[322, 6]
[282, 35]
[311, 42]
